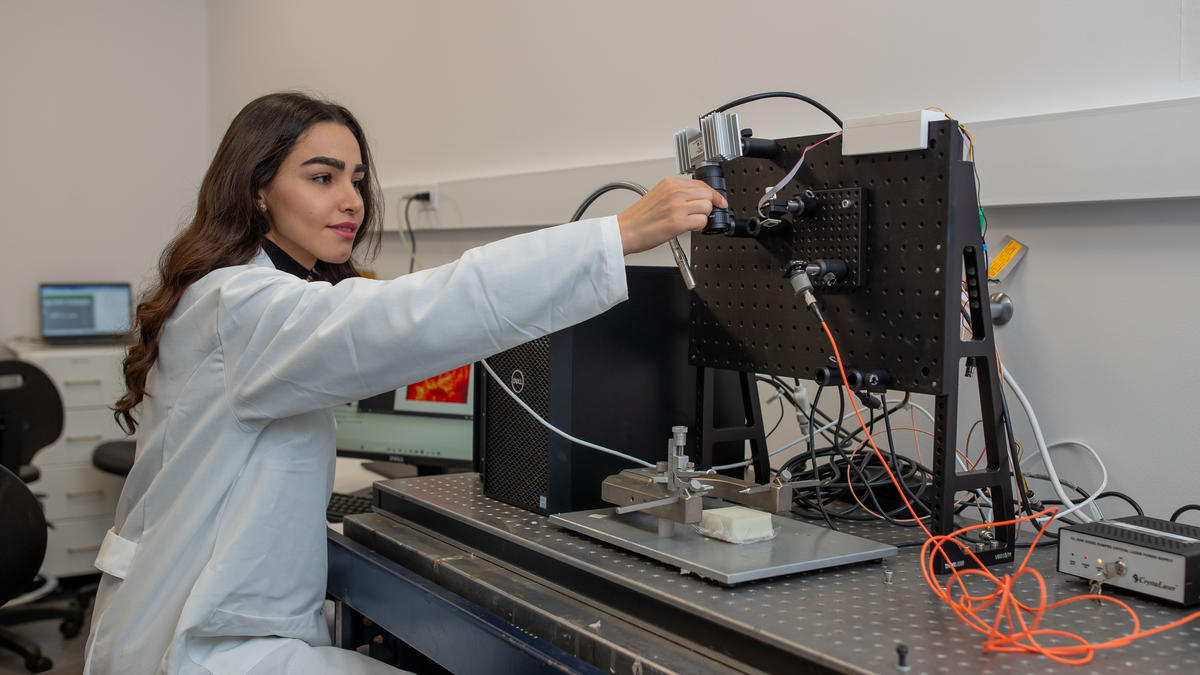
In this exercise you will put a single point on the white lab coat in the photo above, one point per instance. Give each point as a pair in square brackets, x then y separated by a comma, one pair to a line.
[217, 560]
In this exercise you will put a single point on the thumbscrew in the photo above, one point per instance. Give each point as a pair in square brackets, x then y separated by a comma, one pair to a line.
[902, 655]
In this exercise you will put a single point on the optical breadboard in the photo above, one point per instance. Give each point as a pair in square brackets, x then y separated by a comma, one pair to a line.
[887, 217]
[1141, 554]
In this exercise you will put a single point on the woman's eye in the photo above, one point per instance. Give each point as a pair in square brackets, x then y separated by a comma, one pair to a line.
[358, 184]
[323, 178]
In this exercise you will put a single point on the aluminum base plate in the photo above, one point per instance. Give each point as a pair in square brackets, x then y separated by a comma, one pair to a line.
[799, 546]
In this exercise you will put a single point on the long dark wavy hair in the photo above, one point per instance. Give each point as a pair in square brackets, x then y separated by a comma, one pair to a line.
[227, 228]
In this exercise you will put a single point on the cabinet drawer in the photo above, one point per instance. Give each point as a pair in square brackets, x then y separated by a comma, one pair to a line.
[83, 378]
[83, 430]
[72, 545]
[76, 491]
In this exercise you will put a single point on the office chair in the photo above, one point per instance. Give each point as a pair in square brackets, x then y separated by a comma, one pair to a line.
[115, 457]
[31, 417]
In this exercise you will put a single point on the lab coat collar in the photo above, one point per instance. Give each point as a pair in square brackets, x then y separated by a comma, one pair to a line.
[283, 262]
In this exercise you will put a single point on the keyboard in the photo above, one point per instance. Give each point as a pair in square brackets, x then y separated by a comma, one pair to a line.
[341, 505]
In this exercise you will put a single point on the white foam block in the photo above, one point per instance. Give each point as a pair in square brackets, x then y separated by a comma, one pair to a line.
[737, 524]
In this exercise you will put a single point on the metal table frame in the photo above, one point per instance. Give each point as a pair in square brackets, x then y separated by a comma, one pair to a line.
[457, 634]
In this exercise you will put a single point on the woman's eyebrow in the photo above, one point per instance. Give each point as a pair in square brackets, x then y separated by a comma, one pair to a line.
[327, 161]
[335, 163]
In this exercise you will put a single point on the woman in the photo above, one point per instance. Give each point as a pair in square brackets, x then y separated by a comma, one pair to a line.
[216, 561]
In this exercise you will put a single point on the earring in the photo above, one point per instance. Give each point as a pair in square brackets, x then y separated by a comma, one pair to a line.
[262, 206]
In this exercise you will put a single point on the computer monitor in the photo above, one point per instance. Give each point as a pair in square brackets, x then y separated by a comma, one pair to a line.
[430, 424]
[84, 312]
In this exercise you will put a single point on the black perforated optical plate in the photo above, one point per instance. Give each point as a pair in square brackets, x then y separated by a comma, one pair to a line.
[891, 312]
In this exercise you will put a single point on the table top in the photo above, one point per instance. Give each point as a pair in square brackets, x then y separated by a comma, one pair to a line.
[848, 619]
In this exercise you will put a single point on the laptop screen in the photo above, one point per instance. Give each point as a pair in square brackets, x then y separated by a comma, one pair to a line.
[85, 312]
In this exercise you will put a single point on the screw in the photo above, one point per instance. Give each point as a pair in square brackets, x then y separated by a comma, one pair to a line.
[887, 576]
[902, 655]
[845, 203]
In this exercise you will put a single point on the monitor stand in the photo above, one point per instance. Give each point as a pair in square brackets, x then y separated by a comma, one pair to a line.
[392, 469]
[406, 470]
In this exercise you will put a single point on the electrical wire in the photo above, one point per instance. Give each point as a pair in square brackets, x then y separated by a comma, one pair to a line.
[1123, 497]
[1022, 635]
[616, 185]
[813, 453]
[1044, 451]
[412, 237]
[1009, 382]
[556, 430]
[1184, 509]
[782, 412]
[783, 390]
[770, 192]
[983, 223]
[788, 446]
[681, 261]
[780, 94]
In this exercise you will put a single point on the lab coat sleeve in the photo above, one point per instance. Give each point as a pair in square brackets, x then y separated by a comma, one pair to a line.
[292, 347]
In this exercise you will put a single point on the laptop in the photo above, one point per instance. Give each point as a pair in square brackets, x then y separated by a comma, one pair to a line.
[85, 313]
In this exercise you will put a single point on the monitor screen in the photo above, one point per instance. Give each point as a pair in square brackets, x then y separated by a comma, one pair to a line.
[83, 312]
[426, 423]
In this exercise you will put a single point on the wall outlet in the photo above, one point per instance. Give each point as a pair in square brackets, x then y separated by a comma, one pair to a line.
[421, 213]
[432, 204]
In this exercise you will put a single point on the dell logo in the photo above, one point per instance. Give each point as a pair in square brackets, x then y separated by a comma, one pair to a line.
[517, 380]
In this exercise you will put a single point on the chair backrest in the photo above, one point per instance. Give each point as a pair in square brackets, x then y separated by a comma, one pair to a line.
[22, 535]
[31, 413]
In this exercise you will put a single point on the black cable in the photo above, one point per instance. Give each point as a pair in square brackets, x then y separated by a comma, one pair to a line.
[412, 237]
[1011, 438]
[782, 412]
[812, 451]
[1123, 497]
[780, 94]
[867, 478]
[841, 416]
[1041, 476]
[1184, 509]
[913, 499]
[790, 393]
[874, 415]
[867, 483]
[618, 185]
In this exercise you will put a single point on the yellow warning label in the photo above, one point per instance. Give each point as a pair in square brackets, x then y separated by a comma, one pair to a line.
[1010, 249]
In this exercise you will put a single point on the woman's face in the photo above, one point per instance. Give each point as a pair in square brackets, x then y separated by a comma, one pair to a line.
[313, 204]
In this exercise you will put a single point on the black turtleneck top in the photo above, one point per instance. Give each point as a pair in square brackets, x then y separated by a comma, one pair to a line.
[283, 261]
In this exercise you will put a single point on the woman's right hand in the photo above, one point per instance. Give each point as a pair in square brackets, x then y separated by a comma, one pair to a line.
[670, 208]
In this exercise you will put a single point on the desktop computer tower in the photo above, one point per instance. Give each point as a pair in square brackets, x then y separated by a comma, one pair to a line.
[620, 380]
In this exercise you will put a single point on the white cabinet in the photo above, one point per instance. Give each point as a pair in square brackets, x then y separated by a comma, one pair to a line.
[79, 499]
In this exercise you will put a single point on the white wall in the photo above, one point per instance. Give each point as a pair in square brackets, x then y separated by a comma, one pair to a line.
[103, 134]
[112, 111]
[462, 88]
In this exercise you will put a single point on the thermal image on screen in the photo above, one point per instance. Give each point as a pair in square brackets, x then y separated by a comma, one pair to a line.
[449, 387]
